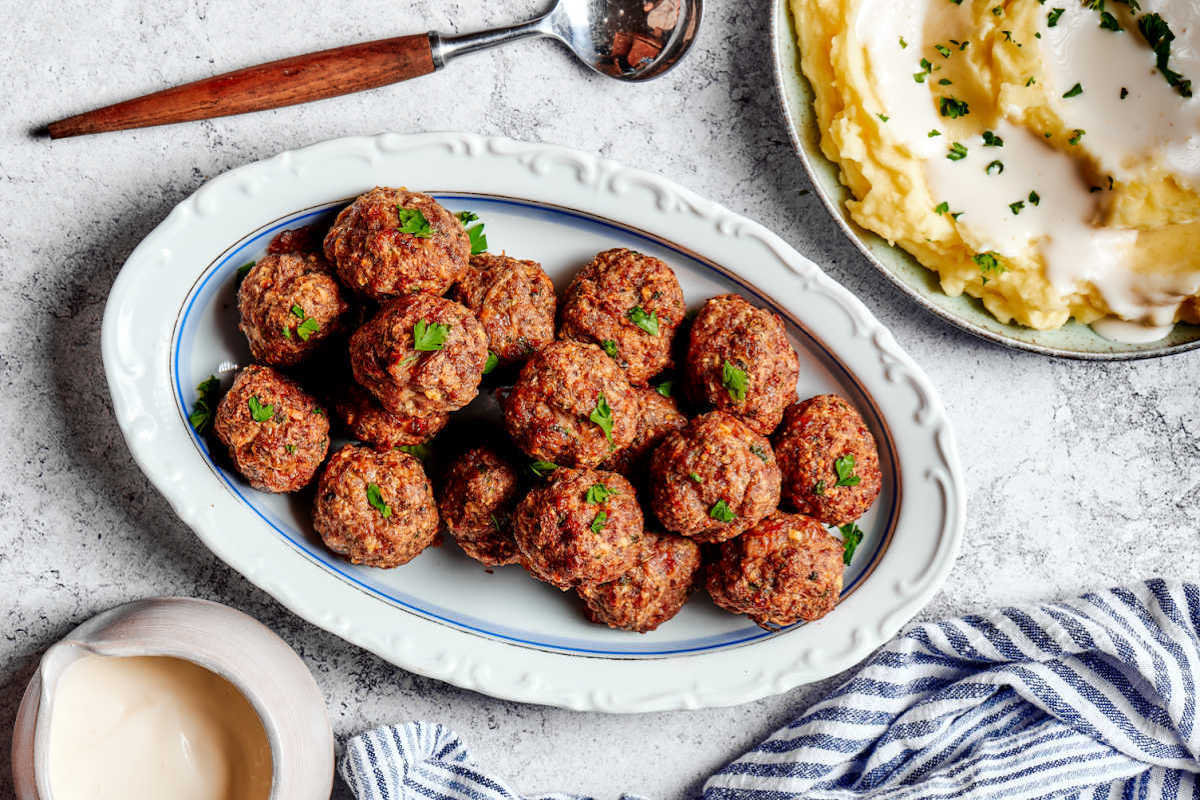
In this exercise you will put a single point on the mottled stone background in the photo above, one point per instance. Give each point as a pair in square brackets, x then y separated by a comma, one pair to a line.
[1079, 475]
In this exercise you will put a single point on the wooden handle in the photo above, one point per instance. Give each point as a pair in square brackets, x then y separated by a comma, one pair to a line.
[315, 76]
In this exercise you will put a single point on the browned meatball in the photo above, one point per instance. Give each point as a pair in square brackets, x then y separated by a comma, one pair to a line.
[276, 433]
[420, 355]
[366, 420]
[375, 506]
[652, 592]
[658, 417]
[392, 242]
[740, 361]
[584, 526]
[828, 459]
[628, 303]
[513, 300]
[571, 406]
[289, 304]
[785, 569]
[476, 503]
[713, 479]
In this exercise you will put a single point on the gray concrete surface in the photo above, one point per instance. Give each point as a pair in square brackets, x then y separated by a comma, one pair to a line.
[1079, 475]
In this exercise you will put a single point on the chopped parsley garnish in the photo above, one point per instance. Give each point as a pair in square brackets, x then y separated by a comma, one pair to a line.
[695, 478]
[997, 11]
[1030, 81]
[992, 140]
[647, 322]
[844, 467]
[418, 451]
[375, 498]
[413, 222]
[492, 362]
[1108, 22]
[883, 117]
[291, 449]
[957, 152]
[1034, 198]
[475, 232]
[287, 332]
[1052, 17]
[1074, 91]
[953, 108]
[243, 271]
[1016, 207]
[664, 388]
[259, 412]
[851, 537]
[735, 380]
[429, 336]
[759, 451]
[995, 167]
[934, 132]
[599, 493]
[721, 512]
[610, 347]
[1076, 135]
[903, 44]
[941, 48]
[944, 82]
[307, 328]
[602, 416]
[600, 520]
[988, 262]
[206, 403]
[926, 68]
[819, 488]
[297, 311]
[1158, 35]
[1124, 93]
[941, 208]
[542, 468]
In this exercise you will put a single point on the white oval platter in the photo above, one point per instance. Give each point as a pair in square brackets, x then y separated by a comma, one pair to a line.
[170, 322]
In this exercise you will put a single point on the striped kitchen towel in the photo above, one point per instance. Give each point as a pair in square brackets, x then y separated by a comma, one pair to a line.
[1089, 698]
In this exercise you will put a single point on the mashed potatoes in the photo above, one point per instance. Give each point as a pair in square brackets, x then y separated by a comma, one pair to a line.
[1032, 154]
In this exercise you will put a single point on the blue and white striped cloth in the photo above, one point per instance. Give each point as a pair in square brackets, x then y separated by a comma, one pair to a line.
[1090, 698]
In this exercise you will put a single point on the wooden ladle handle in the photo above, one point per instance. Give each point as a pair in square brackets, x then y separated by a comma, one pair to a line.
[315, 76]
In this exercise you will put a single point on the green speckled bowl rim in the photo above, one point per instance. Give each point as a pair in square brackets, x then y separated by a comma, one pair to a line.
[1073, 340]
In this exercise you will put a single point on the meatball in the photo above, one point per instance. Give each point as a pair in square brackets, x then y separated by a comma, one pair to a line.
[476, 504]
[571, 405]
[392, 242]
[276, 433]
[828, 459]
[375, 506]
[420, 355]
[629, 304]
[652, 592]
[583, 526]
[289, 304]
[739, 360]
[658, 416]
[366, 420]
[713, 479]
[513, 300]
[785, 569]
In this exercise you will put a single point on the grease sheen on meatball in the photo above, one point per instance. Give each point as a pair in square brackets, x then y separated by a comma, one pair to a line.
[476, 504]
[816, 436]
[366, 420]
[514, 302]
[375, 257]
[289, 303]
[740, 361]
[570, 532]
[628, 303]
[652, 591]
[562, 390]
[443, 376]
[785, 569]
[276, 432]
[713, 479]
[658, 417]
[383, 526]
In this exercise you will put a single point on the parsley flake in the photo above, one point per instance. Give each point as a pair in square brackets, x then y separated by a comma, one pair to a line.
[883, 117]
[759, 451]
[664, 388]
[851, 537]
[695, 478]
[205, 405]
[735, 380]
[599, 493]
[478, 241]
[600, 520]
[259, 412]
[647, 322]
[1074, 91]
[941, 48]
[1124, 93]
[1034, 198]
[953, 108]
[413, 222]
[307, 328]
[934, 132]
[297, 312]
[903, 44]
[1109, 23]
[1052, 17]
[492, 362]
[1158, 35]
[602, 416]
[844, 467]
[243, 271]
[994, 167]
[721, 512]
[992, 140]
[1016, 207]
[957, 152]
[429, 336]
[610, 347]
[988, 262]
[375, 498]
[421, 452]
[542, 468]
[819, 488]
[1076, 135]
[941, 208]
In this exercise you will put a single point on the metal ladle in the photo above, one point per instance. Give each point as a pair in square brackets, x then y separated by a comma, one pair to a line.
[630, 40]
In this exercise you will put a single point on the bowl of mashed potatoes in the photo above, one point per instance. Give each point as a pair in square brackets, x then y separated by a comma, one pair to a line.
[1028, 170]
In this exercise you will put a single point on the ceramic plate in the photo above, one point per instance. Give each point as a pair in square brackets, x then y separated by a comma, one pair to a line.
[1071, 341]
[171, 321]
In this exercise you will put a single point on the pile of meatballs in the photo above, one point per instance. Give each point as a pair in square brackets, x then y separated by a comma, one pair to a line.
[614, 474]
